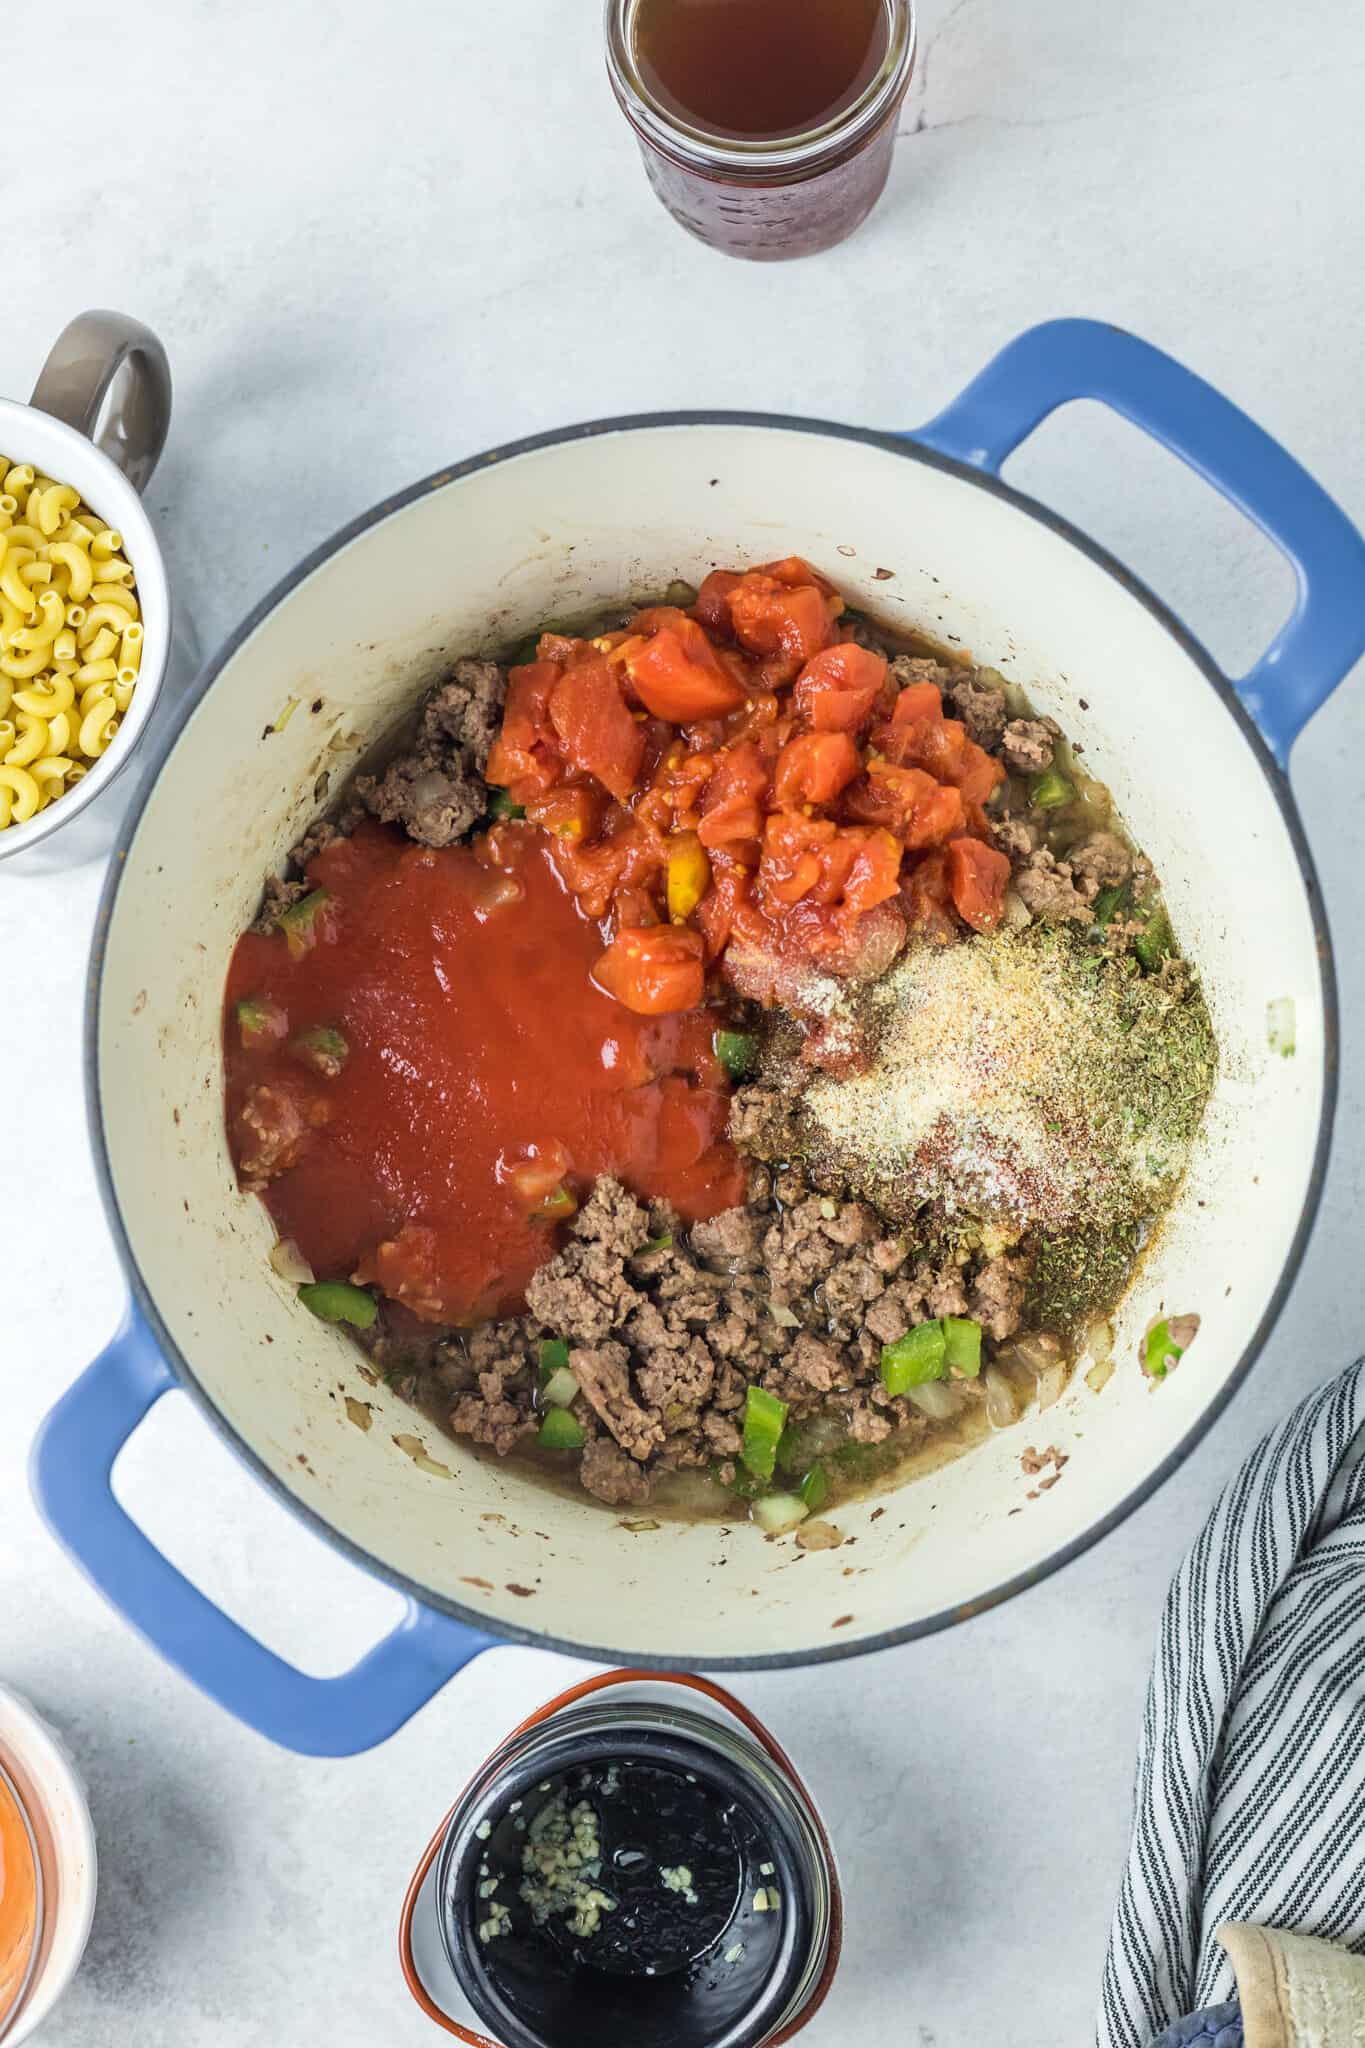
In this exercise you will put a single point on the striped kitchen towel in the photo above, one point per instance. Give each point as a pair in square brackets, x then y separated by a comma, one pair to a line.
[1250, 1795]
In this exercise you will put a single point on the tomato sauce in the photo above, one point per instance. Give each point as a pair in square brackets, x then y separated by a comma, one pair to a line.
[18, 1902]
[482, 1081]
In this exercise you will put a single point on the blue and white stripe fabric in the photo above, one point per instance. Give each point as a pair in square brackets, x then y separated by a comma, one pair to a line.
[1250, 1795]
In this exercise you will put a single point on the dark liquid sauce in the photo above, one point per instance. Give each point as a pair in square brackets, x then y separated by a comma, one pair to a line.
[682, 1952]
[759, 69]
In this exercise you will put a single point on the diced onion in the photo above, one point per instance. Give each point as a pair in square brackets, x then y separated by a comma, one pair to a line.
[1017, 911]
[1051, 1381]
[498, 892]
[1100, 1374]
[1099, 1340]
[1002, 1408]
[289, 1262]
[1280, 1026]
[819, 1536]
[561, 1389]
[1035, 1352]
[779, 1513]
[935, 1399]
[783, 1316]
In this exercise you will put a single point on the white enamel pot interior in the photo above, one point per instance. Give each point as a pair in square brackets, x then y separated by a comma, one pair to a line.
[474, 559]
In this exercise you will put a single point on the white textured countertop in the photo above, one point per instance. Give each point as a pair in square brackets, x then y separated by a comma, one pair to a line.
[378, 238]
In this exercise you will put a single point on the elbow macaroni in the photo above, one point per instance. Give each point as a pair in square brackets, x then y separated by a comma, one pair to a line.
[70, 639]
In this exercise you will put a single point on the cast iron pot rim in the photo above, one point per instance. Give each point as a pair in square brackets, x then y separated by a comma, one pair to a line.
[908, 450]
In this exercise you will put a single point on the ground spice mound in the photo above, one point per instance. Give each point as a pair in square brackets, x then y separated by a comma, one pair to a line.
[1023, 1079]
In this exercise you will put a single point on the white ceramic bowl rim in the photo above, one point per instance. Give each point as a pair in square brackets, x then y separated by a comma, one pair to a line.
[911, 451]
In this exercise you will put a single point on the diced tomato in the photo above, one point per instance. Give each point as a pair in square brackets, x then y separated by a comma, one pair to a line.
[916, 701]
[796, 573]
[730, 806]
[596, 730]
[718, 907]
[908, 801]
[981, 774]
[756, 718]
[633, 904]
[653, 969]
[792, 863]
[978, 876]
[677, 673]
[525, 755]
[784, 624]
[814, 768]
[679, 779]
[542, 1169]
[713, 600]
[855, 945]
[875, 874]
[936, 816]
[561, 647]
[407, 1269]
[629, 857]
[943, 747]
[887, 794]
[653, 618]
[836, 690]
[928, 901]
[574, 812]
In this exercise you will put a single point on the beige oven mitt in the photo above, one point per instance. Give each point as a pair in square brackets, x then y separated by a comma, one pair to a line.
[1295, 1990]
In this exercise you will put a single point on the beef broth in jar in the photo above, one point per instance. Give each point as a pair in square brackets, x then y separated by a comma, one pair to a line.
[766, 130]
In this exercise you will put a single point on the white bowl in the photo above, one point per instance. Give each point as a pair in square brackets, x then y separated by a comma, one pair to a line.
[53, 1797]
[98, 420]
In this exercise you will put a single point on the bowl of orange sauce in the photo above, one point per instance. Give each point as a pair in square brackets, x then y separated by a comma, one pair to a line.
[21, 1902]
[47, 1868]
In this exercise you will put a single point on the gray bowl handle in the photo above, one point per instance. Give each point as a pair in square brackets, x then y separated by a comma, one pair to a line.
[76, 379]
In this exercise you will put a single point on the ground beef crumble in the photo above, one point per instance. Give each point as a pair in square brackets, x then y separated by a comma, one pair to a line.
[436, 792]
[796, 1294]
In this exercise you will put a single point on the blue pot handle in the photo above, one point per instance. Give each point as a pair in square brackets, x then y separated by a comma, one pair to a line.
[1066, 359]
[70, 1471]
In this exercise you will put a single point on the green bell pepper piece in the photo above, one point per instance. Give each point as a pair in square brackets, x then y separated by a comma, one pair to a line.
[814, 1488]
[920, 1355]
[561, 1431]
[765, 1418]
[299, 922]
[554, 1356]
[1050, 790]
[962, 1346]
[737, 1052]
[336, 1301]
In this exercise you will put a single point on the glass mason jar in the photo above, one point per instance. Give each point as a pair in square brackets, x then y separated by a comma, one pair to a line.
[757, 1942]
[773, 197]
